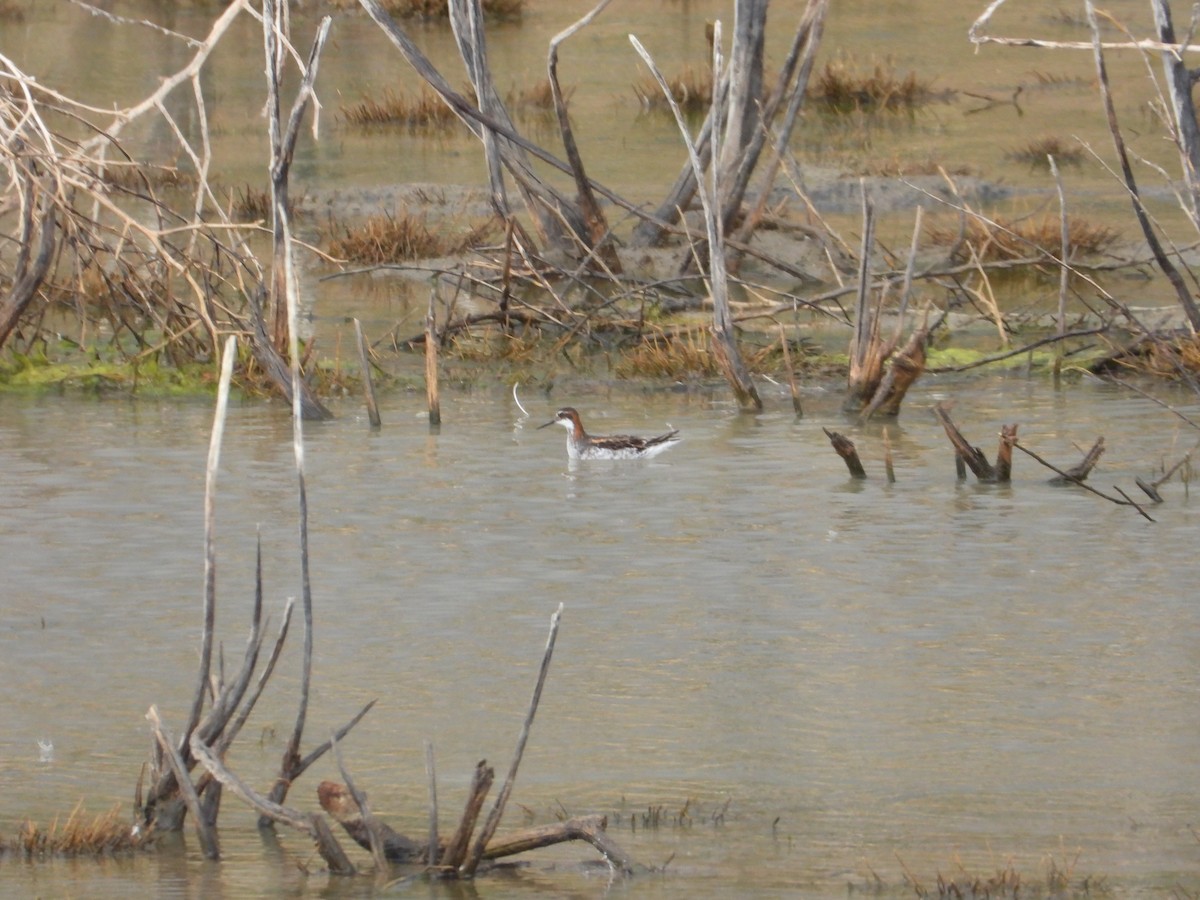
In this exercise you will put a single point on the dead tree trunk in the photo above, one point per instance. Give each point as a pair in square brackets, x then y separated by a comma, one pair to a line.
[971, 457]
[560, 224]
[752, 116]
[1183, 109]
[37, 243]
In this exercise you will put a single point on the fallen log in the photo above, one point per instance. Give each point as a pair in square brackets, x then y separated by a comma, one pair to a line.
[336, 800]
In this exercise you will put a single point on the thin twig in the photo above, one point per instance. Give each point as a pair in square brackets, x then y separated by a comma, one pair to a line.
[493, 819]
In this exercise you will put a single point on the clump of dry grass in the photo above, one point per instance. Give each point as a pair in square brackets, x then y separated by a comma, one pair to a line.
[840, 88]
[437, 9]
[1035, 152]
[669, 355]
[685, 353]
[79, 835]
[692, 90]
[1166, 357]
[390, 238]
[424, 111]
[535, 99]
[1012, 239]
[251, 204]
[1055, 79]
[137, 177]
[894, 167]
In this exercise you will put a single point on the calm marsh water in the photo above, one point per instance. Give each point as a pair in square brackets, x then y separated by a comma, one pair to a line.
[836, 679]
[927, 671]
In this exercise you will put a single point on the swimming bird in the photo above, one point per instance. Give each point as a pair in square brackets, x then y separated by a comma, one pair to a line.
[581, 445]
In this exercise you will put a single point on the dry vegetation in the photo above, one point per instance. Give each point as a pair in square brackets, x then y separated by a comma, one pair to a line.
[535, 99]
[423, 111]
[436, 9]
[79, 835]
[1035, 154]
[691, 89]
[841, 88]
[389, 238]
[1002, 239]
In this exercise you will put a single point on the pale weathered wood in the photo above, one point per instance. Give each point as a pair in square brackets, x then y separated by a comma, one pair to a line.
[454, 854]
[336, 800]
[493, 819]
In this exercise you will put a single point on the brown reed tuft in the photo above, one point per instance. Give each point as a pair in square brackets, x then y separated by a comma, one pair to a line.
[691, 89]
[1012, 239]
[437, 9]
[79, 835]
[424, 111]
[391, 238]
[1035, 152]
[535, 99]
[840, 88]
[684, 353]
[136, 178]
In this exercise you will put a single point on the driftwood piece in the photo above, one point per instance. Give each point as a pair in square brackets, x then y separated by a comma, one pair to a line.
[847, 451]
[1079, 473]
[336, 800]
[312, 824]
[970, 456]
[1073, 476]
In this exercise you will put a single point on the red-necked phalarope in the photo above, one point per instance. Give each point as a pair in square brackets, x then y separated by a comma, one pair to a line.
[581, 445]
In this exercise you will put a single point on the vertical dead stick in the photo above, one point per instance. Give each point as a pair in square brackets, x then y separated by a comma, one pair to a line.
[431, 362]
[724, 344]
[493, 820]
[210, 552]
[204, 830]
[313, 825]
[847, 451]
[456, 848]
[1063, 264]
[360, 800]
[1008, 437]
[431, 776]
[368, 381]
[787, 364]
[887, 457]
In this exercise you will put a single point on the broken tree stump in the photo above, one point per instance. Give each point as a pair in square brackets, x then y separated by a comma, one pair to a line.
[848, 452]
[970, 456]
[1079, 473]
[1008, 437]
